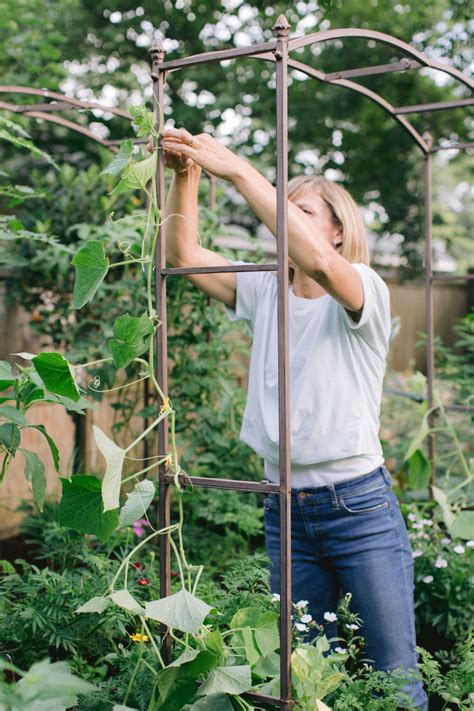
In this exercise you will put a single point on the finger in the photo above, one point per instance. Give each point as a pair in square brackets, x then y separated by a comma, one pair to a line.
[181, 148]
[179, 133]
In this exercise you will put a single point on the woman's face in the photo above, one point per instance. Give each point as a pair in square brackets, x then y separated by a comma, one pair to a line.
[319, 213]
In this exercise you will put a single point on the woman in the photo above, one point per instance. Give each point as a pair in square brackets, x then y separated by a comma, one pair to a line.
[348, 534]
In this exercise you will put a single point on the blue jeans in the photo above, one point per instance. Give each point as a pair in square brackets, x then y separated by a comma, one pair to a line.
[351, 537]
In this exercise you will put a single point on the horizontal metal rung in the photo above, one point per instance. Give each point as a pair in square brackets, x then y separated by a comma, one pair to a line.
[232, 484]
[221, 269]
[438, 106]
[376, 69]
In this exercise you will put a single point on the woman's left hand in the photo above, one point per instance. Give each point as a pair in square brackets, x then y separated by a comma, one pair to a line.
[204, 150]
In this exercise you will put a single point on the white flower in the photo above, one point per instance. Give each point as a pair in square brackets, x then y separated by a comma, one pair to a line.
[306, 618]
[275, 597]
[330, 616]
[445, 541]
[417, 553]
[470, 544]
[300, 627]
[411, 517]
[301, 604]
[426, 522]
[417, 525]
[428, 579]
[340, 650]
[459, 549]
[352, 627]
[441, 563]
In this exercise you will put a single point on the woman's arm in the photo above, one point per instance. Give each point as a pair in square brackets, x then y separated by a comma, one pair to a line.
[182, 232]
[309, 250]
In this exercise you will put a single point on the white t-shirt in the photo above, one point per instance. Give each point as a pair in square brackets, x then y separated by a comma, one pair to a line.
[336, 372]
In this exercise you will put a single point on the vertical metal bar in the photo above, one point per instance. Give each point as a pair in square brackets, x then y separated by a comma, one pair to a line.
[281, 29]
[158, 76]
[212, 205]
[429, 322]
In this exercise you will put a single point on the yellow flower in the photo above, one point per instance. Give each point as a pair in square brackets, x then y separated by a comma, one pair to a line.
[168, 462]
[139, 637]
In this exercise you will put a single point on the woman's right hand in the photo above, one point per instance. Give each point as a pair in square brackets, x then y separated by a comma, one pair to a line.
[178, 162]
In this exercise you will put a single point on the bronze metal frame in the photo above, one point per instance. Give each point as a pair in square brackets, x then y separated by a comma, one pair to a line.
[278, 51]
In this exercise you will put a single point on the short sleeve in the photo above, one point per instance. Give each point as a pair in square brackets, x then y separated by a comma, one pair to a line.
[249, 286]
[374, 324]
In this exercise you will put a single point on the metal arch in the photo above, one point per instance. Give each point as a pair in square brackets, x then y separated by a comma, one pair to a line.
[45, 93]
[298, 42]
[60, 121]
[354, 86]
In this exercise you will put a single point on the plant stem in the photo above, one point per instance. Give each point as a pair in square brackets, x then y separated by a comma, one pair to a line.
[143, 471]
[154, 645]
[92, 362]
[135, 671]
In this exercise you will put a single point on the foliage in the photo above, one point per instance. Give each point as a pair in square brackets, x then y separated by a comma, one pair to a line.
[443, 567]
[456, 686]
[332, 128]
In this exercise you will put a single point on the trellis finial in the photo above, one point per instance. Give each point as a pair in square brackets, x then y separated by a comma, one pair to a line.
[157, 51]
[281, 27]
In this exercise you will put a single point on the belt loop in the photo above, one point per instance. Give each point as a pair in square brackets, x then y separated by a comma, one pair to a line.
[386, 474]
[334, 500]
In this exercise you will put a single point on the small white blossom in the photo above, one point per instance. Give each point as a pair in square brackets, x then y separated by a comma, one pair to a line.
[445, 541]
[306, 618]
[301, 604]
[470, 544]
[428, 579]
[441, 563]
[330, 616]
[340, 650]
[275, 597]
[411, 517]
[417, 525]
[459, 549]
[426, 522]
[417, 553]
[300, 627]
[352, 627]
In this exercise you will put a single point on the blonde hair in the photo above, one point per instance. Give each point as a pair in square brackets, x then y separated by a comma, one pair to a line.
[344, 211]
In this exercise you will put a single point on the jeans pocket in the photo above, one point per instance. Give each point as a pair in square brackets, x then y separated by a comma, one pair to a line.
[370, 502]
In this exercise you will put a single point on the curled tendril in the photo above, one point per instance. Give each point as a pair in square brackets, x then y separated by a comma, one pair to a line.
[125, 249]
[95, 383]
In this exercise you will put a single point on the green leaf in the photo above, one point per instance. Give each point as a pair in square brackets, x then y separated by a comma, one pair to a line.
[56, 374]
[187, 656]
[17, 136]
[267, 666]
[11, 413]
[126, 601]
[46, 680]
[6, 375]
[52, 445]
[137, 503]
[10, 437]
[419, 470]
[114, 456]
[131, 338]
[418, 439]
[121, 159]
[34, 475]
[441, 498]
[214, 643]
[95, 604]
[30, 393]
[463, 526]
[91, 267]
[266, 632]
[81, 507]
[227, 680]
[182, 610]
[144, 120]
[137, 175]
[214, 702]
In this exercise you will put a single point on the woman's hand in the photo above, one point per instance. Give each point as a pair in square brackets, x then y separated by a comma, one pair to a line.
[174, 160]
[204, 150]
